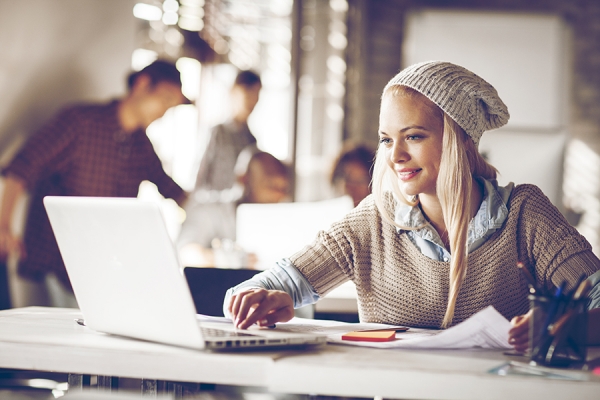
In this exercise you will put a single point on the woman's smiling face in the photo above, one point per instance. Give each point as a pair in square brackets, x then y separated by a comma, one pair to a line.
[411, 130]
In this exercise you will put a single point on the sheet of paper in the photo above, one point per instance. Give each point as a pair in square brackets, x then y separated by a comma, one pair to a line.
[486, 329]
[326, 327]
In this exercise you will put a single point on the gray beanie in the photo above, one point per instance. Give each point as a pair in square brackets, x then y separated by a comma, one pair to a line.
[469, 100]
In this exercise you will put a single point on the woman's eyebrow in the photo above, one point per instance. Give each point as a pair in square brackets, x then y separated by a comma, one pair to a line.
[414, 127]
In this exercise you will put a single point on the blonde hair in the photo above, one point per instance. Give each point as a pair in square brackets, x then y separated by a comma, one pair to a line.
[460, 162]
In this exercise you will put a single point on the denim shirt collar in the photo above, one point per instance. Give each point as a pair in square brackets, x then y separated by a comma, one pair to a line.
[491, 215]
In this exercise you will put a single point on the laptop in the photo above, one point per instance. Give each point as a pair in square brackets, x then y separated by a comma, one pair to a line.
[128, 281]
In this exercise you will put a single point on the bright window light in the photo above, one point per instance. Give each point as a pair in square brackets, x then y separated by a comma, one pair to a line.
[170, 6]
[190, 77]
[190, 23]
[142, 57]
[147, 12]
[188, 11]
[170, 18]
[338, 5]
[192, 3]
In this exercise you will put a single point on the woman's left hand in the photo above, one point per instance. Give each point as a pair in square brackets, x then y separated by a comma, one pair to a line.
[518, 335]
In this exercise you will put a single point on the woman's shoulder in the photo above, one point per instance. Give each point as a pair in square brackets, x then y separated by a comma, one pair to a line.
[366, 216]
[527, 188]
[368, 205]
[528, 193]
[529, 203]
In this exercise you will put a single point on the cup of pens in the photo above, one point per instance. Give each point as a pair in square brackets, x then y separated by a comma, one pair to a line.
[558, 324]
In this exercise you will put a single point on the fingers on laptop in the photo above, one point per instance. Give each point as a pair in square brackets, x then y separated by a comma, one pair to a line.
[260, 306]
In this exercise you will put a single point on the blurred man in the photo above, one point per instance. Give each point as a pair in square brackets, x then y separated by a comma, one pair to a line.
[261, 178]
[227, 140]
[85, 150]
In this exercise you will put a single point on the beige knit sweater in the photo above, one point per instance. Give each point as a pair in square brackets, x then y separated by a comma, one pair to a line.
[396, 284]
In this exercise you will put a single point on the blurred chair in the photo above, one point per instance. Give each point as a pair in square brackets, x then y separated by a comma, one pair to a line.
[208, 286]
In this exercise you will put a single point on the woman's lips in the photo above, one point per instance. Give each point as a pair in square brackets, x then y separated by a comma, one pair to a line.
[407, 174]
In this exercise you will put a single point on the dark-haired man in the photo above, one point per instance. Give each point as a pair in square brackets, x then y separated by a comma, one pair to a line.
[227, 140]
[86, 150]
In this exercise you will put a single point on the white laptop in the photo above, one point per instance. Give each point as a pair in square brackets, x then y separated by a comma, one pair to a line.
[128, 280]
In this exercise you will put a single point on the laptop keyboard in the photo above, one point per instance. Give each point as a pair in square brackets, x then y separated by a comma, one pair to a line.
[211, 332]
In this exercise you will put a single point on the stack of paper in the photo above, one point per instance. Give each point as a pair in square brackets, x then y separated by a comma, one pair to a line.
[486, 329]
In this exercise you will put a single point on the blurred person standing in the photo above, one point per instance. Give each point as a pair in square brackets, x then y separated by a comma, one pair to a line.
[227, 140]
[211, 226]
[352, 171]
[85, 150]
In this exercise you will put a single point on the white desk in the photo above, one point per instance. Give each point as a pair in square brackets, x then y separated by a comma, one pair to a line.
[48, 339]
[43, 339]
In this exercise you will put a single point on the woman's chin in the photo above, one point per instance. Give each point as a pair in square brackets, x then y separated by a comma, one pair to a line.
[409, 191]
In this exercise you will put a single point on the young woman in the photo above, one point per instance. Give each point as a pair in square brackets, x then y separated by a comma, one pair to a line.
[438, 240]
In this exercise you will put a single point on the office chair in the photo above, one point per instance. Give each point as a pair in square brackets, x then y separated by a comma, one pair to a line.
[208, 286]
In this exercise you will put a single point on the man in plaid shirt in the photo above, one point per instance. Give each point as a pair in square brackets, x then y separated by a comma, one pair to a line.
[87, 150]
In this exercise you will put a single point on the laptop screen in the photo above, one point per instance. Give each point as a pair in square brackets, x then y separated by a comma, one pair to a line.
[276, 231]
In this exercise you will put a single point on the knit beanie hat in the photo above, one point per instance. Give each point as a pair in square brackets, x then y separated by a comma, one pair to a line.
[468, 99]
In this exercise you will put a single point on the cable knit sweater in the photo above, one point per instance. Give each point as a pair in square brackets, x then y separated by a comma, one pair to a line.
[396, 284]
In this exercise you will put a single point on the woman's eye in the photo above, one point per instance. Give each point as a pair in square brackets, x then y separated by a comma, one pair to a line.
[413, 137]
[385, 141]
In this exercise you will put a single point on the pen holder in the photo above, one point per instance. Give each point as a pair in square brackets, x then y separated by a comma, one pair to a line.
[557, 331]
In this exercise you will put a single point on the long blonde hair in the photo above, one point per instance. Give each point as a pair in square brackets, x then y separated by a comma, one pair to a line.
[460, 162]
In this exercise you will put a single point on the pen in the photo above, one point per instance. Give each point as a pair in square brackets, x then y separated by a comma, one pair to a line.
[545, 337]
[560, 322]
[571, 294]
[391, 328]
[582, 290]
[546, 332]
[555, 302]
[528, 277]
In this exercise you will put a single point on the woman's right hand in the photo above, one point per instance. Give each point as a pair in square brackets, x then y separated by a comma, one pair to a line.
[518, 335]
[260, 306]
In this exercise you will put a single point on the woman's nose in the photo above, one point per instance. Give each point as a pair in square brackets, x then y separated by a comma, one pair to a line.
[399, 153]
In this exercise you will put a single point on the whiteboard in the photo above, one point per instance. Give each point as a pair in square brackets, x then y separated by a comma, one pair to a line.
[522, 55]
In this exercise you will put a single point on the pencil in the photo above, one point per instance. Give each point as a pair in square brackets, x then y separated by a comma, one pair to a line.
[528, 277]
[582, 290]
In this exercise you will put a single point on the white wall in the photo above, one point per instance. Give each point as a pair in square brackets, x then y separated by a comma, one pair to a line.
[53, 52]
[526, 58]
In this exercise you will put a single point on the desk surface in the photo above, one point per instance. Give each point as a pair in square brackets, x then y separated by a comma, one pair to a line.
[48, 339]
